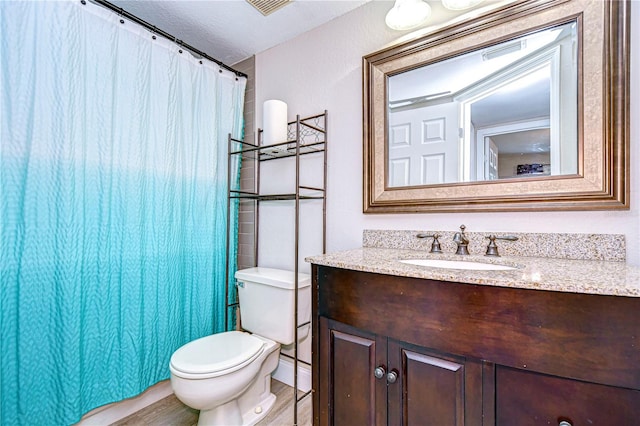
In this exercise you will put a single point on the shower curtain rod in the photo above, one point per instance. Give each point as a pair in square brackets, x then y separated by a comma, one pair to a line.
[120, 11]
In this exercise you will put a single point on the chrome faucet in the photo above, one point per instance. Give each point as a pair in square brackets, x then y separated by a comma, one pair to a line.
[462, 241]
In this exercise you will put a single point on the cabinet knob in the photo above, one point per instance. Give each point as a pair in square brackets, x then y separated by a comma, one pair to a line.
[392, 377]
[565, 423]
[379, 372]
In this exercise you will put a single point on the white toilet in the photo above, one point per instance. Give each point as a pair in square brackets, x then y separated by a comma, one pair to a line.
[227, 376]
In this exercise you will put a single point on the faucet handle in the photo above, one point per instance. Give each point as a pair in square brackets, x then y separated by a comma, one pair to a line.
[492, 248]
[435, 245]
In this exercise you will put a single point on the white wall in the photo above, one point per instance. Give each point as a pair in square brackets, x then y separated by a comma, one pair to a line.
[322, 69]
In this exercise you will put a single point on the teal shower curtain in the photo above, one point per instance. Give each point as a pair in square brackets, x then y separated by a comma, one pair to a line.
[113, 176]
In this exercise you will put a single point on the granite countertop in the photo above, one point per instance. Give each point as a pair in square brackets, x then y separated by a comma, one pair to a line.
[538, 273]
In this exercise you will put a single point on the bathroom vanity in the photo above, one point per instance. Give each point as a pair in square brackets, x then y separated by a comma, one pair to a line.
[552, 342]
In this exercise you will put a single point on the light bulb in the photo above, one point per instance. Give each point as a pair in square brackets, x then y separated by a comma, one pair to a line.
[407, 14]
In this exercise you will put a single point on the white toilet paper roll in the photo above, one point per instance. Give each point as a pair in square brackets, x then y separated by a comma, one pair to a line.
[274, 122]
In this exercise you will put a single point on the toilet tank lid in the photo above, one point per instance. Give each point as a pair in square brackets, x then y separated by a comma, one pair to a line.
[275, 277]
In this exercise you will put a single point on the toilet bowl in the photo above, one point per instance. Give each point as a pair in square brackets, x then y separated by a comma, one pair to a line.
[227, 376]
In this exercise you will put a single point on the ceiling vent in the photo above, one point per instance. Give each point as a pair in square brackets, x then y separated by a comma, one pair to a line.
[267, 7]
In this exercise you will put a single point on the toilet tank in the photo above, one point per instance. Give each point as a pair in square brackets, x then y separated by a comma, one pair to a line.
[266, 299]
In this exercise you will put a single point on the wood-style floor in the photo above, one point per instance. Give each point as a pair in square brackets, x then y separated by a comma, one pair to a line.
[170, 411]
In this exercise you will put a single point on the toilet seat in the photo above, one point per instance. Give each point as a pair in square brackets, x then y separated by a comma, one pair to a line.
[216, 355]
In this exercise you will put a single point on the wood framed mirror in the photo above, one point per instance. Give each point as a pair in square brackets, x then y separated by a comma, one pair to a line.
[524, 108]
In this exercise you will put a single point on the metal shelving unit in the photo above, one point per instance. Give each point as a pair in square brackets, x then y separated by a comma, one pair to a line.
[307, 136]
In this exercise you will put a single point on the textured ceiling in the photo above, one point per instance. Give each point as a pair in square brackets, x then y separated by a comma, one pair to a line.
[233, 30]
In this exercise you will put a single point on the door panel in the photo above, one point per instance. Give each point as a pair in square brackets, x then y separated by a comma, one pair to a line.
[430, 389]
[491, 160]
[357, 397]
[424, 145]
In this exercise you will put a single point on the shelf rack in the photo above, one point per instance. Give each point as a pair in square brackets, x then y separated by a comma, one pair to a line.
[307, 136]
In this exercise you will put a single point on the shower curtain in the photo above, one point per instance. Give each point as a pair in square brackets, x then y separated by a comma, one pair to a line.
[113, 181]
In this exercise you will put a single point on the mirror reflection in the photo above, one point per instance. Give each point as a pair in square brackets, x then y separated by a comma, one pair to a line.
[504, 111]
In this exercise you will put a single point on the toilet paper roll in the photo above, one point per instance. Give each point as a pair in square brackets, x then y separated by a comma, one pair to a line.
[274, 122]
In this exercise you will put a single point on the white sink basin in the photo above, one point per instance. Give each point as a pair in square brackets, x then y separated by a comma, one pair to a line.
[458, 264]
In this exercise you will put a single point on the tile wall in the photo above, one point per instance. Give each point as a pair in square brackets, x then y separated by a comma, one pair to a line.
[247, 220]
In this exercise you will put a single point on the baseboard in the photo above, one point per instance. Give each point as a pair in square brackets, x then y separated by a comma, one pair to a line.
[111, 413]
[284, 374]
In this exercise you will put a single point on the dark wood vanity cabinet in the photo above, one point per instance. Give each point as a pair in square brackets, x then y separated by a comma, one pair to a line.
[375, 380]
[402, 351]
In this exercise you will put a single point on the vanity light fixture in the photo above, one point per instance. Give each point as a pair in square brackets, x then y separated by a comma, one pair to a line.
[407, 14]
[460, 4]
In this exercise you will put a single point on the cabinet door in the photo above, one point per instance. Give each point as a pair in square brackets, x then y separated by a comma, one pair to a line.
[430, 389]
[525, 398]
[352, 395]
